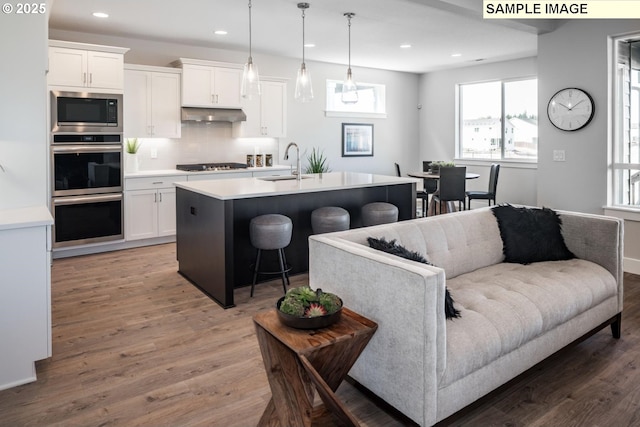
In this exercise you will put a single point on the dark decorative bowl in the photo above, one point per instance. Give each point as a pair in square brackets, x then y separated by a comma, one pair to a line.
[308, 322]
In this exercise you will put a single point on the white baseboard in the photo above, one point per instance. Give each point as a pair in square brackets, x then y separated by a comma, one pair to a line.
[632, 265]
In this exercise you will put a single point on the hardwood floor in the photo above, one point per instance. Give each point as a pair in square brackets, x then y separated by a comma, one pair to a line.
[134, 344]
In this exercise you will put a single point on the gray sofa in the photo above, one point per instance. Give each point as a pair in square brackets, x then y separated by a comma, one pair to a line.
[513, 316]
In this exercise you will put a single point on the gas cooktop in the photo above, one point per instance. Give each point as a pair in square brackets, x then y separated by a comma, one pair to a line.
[203, 167]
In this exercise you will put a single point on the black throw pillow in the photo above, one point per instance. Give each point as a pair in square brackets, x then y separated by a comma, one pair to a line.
[531, 234]
[393, 248]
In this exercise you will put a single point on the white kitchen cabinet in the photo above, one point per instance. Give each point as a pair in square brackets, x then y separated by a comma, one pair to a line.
[25, 293]
[150, 206]
[77, 65]
[152, 109]
[210, 84]
[267, 114]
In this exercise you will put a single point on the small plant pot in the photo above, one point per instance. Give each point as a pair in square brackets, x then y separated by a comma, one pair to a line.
[317, 322]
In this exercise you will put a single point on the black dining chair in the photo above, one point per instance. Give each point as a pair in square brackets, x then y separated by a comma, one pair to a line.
[452, 187]
[422, 195]
[430, 185]
[489, 195]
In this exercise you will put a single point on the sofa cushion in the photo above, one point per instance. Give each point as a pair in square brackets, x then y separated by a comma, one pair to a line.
[531, 234]
[506, 305]
[393, 248]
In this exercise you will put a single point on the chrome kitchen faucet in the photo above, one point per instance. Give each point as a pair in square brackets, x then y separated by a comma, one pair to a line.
[286, 157]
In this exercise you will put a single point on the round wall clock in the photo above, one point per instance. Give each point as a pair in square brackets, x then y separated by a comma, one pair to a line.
[570, 109]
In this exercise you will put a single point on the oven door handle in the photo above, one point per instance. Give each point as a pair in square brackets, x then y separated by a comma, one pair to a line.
[61, 201]
[86, 148]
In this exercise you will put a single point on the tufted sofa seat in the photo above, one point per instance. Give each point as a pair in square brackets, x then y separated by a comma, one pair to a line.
[512, 316]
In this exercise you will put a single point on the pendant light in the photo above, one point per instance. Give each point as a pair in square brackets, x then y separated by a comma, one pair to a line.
[304, 88]
[250, 78]
[349, 87]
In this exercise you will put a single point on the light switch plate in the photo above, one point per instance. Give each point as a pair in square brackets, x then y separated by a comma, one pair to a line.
[154, 153]
[558, 155]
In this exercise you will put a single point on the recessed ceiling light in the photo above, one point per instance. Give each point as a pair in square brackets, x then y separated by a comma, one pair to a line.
[100, 15]
[405, 46]
[456, 55]
[220, 32]
[309, 45]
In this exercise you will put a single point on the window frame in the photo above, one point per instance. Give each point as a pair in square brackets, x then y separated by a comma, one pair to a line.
[460, 122]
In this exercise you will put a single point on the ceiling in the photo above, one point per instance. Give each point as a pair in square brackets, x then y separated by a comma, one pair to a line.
[435, 29]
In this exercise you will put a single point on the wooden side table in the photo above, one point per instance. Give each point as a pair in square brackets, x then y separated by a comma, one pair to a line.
[297, 361]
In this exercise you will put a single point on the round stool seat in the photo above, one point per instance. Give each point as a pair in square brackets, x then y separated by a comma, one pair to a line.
[379, 213]
[271, 231]
[328, 219]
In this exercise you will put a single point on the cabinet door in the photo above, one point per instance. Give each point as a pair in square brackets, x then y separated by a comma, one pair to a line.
[67, 67]
[197, 89]
[106, 70]
[252, 127]
[227, 87]
[167, 212]
[273, 109]
[165, 105]
[141, 214]
[137, 108]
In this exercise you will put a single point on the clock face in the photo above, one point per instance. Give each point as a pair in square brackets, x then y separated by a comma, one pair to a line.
[570, 109]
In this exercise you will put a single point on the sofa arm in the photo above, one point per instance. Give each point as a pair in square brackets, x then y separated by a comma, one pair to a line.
[598, 239]
[406, 356]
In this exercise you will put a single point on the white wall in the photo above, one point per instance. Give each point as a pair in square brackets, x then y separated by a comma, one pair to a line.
[23, 134]
[438, 124]
[395, 138]
[576, 55]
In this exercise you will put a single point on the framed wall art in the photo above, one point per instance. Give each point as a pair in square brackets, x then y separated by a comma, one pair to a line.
[357, 139]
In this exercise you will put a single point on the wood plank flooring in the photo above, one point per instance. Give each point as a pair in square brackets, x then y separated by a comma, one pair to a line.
[134, 344]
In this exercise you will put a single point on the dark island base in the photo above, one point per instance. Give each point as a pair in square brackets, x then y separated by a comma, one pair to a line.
[213, 246]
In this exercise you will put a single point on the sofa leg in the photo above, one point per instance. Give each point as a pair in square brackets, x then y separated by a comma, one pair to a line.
[616, 326]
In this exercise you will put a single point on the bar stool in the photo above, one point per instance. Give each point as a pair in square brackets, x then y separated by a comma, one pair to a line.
[328, 219]
[379, 213]
[271, 232]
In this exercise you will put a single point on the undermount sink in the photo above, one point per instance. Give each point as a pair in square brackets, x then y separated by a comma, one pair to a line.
[282, 177]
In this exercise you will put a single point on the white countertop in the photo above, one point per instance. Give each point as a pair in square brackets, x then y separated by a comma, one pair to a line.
[244, 188]
[32, 216]
[169, 172]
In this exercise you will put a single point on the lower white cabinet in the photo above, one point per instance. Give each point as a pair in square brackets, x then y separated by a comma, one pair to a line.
[150, 207]
[25, 293]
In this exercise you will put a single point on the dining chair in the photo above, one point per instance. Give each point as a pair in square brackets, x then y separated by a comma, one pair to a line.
[489, 195]
[423, 195]
[452, 187]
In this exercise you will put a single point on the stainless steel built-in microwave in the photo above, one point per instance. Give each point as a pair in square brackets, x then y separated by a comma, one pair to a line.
[83, 112]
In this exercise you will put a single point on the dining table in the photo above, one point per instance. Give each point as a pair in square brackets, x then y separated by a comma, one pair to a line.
[449, 206]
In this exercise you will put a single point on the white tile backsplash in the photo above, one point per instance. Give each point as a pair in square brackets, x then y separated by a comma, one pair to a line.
[202, 143]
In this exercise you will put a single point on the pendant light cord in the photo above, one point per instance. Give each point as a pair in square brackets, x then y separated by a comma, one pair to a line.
[250, 30]
[303, 35]
[349, 20]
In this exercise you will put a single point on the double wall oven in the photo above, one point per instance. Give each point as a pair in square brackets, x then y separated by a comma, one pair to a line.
[86, 168]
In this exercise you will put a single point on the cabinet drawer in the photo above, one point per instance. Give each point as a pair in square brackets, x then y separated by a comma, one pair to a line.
[152, 182]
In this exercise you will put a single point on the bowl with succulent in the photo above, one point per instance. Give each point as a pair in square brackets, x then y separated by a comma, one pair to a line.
[304, 308]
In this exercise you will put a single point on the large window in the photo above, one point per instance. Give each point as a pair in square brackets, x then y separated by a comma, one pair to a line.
[626, 152]
[498, 120]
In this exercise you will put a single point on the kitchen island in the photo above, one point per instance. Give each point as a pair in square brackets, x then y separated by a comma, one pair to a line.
[213, 247]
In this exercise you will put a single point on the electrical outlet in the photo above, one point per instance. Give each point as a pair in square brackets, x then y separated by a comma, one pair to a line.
[558, 156]
[154, 153]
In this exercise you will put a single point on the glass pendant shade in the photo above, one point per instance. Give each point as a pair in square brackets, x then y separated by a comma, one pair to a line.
[250, 86]
[304, 88]
[349, 90]
[250, 80]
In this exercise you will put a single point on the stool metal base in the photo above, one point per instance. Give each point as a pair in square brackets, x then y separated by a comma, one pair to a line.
[284, 270]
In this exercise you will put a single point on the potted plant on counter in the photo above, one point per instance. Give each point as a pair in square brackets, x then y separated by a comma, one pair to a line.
[317, 162]
[132, 145]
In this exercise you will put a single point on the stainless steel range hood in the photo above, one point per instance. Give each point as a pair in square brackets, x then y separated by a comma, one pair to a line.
[191, 114]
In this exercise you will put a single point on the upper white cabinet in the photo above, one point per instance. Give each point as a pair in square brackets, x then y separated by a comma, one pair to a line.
[152, 107]
[80, 65]
[266, 114]
[210, 84]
